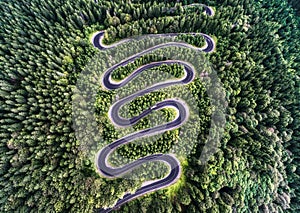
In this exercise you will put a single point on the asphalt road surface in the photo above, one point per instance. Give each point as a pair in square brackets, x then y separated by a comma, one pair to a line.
[182, 114]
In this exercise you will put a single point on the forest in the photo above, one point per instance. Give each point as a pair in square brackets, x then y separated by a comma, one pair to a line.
[45, 46]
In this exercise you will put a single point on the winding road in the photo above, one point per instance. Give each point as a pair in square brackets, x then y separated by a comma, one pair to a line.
[98, 37]
[208, 10]
[182, 114]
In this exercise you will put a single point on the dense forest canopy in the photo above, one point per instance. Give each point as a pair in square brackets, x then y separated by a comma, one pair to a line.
[45, 45]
